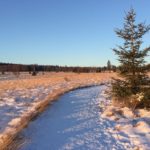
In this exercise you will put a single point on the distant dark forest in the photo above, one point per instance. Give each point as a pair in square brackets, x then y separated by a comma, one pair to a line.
[8, 67]
[35, 68]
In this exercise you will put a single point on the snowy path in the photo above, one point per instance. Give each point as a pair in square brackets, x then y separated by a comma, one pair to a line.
[72, 122]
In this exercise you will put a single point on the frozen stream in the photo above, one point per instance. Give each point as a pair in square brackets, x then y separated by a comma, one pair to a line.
[72, 122]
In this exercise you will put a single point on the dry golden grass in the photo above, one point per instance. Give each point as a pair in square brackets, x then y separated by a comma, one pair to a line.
[50, 79]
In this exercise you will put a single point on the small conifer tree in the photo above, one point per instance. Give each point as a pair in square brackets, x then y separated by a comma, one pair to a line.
[109, 65]
[134, 79]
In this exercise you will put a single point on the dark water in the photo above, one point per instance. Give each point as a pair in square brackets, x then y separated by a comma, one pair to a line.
[72, 122]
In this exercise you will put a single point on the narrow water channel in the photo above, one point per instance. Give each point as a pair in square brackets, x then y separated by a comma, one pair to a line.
[72, 122]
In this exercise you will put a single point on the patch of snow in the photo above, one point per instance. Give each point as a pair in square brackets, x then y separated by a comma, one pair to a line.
[16, 102]
[130, 127]
[74, 122]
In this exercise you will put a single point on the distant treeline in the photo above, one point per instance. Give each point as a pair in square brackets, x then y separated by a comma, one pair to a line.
[8, 67]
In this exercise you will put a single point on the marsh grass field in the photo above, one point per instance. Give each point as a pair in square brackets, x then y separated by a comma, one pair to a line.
[23, 97]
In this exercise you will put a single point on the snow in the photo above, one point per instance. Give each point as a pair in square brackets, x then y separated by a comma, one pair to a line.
[14, 102]
[19, 97]
[130, 127]
[73, 122]
[98, 124]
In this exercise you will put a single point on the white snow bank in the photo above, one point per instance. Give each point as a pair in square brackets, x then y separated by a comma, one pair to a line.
[130, 127]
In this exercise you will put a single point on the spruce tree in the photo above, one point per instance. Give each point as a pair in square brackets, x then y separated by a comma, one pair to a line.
[133, 70]
[109, 65]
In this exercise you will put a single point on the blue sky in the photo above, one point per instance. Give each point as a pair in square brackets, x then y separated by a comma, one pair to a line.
[64, 32]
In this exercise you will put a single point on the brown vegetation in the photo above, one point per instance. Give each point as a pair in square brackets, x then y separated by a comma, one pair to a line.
[49, 79]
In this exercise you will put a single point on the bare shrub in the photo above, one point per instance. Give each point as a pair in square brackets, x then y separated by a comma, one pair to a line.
[66, 79]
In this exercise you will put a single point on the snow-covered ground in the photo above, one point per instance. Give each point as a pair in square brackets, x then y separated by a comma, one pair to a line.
[19, 98]
[74, 122]
[129, 127]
